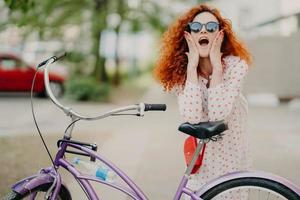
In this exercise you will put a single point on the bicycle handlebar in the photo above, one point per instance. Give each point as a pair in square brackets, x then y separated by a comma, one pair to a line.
[70, 112]
[158, 107]
[56, 58]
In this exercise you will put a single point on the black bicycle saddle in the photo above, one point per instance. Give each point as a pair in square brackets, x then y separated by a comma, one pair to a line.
[203, 130]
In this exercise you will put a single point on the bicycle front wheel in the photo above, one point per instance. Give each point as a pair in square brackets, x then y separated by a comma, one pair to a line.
[250, 189]
[39, 194]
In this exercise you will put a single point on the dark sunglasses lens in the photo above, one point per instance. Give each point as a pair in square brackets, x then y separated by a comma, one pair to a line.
[195, 26]
[212, 26]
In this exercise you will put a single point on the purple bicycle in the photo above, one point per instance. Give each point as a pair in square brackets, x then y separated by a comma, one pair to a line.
[47, 183]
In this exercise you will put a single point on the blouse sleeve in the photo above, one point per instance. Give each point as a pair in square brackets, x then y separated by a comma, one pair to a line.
[190, 103]
[222, 97]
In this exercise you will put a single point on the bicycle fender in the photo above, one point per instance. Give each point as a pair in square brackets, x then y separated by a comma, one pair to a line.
[28, 184]
[248, 174]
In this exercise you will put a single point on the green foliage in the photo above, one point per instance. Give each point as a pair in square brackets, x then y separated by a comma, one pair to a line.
[51, 18]
[148, 16]
[46, 16]
[75, 57]
[87, 89]
[23, 5]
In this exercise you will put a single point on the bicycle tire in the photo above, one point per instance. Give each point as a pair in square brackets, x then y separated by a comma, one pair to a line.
[251, 182]
[62, 195]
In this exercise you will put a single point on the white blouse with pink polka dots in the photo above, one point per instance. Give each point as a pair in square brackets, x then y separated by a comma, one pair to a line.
[197, 103]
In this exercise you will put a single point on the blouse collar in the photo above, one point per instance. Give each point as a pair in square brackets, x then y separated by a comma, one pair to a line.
[203, 80]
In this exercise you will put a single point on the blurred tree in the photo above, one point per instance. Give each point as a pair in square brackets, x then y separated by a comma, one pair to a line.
[145, 14]
[121, 9]
[50, 17]
[202, 1]
[150, 14]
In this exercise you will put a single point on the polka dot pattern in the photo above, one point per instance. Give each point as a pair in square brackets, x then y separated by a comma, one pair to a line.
[222, 97]
[225, 101]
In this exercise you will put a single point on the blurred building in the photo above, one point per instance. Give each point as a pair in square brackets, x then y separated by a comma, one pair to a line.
[257, 18]
[271, 31]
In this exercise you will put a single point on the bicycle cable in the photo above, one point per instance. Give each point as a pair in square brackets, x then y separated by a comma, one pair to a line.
[73, 122]
[35, 122]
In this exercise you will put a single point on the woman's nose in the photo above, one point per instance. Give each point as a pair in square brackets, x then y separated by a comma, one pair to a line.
[203, 30]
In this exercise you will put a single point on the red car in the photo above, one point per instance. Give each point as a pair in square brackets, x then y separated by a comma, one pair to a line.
[16, 76]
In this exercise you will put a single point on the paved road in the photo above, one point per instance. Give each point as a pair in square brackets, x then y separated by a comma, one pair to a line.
[149, 149]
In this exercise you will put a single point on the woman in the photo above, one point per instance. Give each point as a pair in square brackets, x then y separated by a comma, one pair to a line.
[205, 64]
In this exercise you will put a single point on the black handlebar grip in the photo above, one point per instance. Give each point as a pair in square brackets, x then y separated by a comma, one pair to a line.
[44, 62]
[158, 107]
[56, 58]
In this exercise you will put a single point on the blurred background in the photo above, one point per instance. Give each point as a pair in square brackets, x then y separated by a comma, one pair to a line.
[112, 47]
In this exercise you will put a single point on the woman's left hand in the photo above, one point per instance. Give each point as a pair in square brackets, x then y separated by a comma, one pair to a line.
[215, 52]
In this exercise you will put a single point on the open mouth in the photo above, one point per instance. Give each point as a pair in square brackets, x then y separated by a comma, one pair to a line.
[203, 42]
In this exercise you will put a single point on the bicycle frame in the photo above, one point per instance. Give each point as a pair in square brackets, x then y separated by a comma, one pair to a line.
[50, 175]
[132, 190]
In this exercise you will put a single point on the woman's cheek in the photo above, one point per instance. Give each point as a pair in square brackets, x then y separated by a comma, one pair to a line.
[194, 36]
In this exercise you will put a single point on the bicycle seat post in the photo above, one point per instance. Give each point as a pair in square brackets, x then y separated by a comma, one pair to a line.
[194, 159]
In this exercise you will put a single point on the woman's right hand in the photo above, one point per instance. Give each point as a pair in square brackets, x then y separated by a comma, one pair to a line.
[193, 54]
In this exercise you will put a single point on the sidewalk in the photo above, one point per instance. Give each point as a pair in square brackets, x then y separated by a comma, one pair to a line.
[154, 146]
[149, 149]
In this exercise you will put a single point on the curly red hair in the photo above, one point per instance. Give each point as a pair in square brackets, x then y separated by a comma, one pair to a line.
[171, 65]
